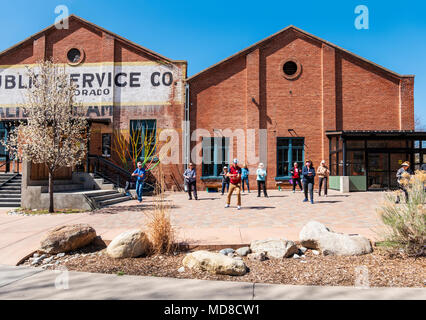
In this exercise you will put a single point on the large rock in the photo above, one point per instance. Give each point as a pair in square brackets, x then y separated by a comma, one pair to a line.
[214, 263]
[129, 244]
[67, 238]
[315, 235]
[274, 248]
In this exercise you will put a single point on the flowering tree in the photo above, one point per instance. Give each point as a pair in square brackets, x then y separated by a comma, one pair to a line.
[55, 130]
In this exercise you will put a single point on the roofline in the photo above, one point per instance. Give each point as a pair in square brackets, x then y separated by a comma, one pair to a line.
[253, 46]
[36, 35]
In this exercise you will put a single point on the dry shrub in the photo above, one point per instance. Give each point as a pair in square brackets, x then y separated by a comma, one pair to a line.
[406, 222]
[160, 230]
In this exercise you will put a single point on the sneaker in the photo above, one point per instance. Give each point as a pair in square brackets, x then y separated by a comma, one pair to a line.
[294, 191]
[305, 200]
[189, 198]
[196, 198]
[227, 206]
[238, 208]
[312, 201]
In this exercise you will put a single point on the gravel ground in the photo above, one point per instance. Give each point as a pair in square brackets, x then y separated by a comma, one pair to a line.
[384, 269]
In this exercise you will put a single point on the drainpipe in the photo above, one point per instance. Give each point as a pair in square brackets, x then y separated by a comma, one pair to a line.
[186, 129]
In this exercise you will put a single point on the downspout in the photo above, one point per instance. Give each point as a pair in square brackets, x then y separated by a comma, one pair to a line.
[187, 126]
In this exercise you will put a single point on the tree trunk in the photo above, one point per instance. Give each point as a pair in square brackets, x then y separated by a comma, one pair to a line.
[51, 209]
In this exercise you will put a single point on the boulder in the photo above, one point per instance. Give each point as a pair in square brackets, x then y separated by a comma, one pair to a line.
[315, 235]
[226, 251]
[129, 244]
[243, 251]
[261, 256]
[67, 238]
[274, 248]
[215, 263]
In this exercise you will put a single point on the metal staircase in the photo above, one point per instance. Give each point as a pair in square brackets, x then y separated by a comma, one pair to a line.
[10, 190]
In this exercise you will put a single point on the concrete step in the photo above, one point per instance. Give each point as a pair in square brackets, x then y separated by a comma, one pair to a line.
[6, 187]
[116, 200]
[10, 199]
[10, 195]
[101, 193]
[107, 197]
[10, 204]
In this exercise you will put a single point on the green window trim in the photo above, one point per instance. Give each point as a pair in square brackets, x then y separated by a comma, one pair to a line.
[287, 146]
[215, 155]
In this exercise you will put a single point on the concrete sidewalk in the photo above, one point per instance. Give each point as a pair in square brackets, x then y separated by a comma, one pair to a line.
[35, 283]
[204, 222]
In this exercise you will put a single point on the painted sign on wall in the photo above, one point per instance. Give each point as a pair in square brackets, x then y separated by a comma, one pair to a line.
[104, 84]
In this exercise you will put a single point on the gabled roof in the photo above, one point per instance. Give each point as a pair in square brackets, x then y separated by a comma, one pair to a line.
[90, 24]
[287, 29]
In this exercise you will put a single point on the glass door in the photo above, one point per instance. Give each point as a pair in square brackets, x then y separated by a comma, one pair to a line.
[378, 171]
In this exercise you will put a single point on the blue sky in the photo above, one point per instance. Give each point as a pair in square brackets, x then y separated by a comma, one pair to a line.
[205, 32]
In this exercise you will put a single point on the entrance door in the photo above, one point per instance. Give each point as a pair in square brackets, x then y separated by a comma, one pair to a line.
[378, 174]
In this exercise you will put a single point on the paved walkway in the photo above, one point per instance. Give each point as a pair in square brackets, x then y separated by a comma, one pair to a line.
[205, 221]
[35, 283]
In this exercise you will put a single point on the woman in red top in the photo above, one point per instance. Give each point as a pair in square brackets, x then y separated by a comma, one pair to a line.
[296, 174]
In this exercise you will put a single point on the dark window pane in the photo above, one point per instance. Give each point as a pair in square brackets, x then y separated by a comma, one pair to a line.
[297, 142]
[355, 144]
[283, 142]
[355, 163]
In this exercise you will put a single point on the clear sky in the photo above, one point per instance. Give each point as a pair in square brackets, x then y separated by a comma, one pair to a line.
[205, 32]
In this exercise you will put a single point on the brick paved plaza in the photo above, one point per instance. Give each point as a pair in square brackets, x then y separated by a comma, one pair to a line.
[206, 221]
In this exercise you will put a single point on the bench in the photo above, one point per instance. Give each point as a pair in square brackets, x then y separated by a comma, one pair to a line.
[213, 186]
[281, 183]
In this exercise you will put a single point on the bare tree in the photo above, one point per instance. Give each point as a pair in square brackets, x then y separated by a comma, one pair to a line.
[55, 130]
[418, 125]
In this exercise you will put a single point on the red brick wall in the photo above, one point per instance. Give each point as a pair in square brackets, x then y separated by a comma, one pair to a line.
[334, 91]
[99, 47]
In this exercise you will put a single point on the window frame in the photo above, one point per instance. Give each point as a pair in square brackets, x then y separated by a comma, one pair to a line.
[290, 149]
[144, 125]
[225, 145]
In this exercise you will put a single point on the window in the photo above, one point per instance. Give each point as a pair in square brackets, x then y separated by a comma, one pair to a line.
[289, 150]
[75, 56]
[143, 138]
[106, 145]
[3, 137]
[290, 68]
[215, 155]
[355, 163]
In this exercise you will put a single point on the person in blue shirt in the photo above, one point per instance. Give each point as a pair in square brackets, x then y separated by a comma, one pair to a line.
[190, 176]
[140, 174]
[261, 180]
[308, 173]
[245, 177]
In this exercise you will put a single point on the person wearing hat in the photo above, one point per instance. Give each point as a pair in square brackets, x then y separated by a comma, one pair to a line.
[261, 180]
[234, 175]
[322, 173]
[402, 176]
[190, 176]
[225, 179]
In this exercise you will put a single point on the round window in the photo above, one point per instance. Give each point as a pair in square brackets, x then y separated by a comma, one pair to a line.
[74, 55]
[290, 68]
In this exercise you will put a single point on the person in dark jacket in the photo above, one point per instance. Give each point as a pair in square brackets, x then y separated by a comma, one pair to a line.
[402, 176]
[191, 181]
[296, 175]
[308, 173]
[225, 180]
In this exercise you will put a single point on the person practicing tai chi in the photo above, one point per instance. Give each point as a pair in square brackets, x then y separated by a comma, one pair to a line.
[234, 175]
[140, 174]
[191, 181]
[308, 172]
[296, 173]
[323, 173]
[261, 180]
[225, 180]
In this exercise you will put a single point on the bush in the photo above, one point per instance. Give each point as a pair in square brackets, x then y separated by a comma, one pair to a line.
[406, 222]
[160, 229]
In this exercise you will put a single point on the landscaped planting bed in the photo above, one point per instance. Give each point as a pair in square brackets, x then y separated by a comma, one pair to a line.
[383, 269]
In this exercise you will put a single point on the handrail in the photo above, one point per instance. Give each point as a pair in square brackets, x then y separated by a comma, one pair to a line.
[109, 163]
[11, 178]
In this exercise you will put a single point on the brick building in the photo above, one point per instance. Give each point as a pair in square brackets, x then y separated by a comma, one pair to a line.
[302, 97]
[287, 98]
[124, 87]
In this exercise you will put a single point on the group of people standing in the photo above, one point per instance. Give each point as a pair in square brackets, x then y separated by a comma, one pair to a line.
[236, 178]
